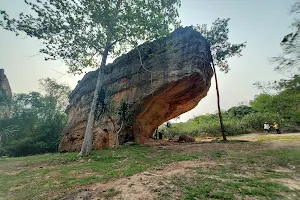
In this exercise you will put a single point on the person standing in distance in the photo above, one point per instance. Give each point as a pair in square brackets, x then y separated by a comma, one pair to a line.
[267, 127]
[276, 127]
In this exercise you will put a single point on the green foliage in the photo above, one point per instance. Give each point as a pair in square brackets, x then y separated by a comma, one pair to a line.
[285, 103]
[57, 91]
[207, 125]
[106, 106]
[125, 111]
[79, 32]
[255, 121]
[36, 122]
[7, 131]
[240, 111]
[290, 57]
[282, 107]
[262, 103]
[221, 48]
[211, 127]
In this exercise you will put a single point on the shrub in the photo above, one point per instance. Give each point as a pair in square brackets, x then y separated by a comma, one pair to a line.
[255, 121]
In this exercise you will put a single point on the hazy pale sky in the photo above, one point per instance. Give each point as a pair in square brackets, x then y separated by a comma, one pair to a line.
[262, 23]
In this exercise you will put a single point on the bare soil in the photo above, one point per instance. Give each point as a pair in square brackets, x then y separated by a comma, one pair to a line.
[142, 185]
[145, 185]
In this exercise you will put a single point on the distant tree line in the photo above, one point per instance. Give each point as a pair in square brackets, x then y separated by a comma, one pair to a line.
[35, 122]
[281, 106]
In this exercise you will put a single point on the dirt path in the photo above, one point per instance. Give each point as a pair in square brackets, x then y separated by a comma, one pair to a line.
[257, 136]
[148, 184]
[140, 186]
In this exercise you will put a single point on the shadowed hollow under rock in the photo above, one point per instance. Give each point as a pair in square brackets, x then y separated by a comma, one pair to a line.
[175, 76]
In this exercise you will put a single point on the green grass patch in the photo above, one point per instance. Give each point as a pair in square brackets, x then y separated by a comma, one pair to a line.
[49, 175]
[111, 193]
[280, 138]
[240, 174]
[202, 186]
[237, 170]
[285, 157]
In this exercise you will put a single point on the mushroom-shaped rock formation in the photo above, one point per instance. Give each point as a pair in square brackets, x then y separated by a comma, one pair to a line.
[159, 80]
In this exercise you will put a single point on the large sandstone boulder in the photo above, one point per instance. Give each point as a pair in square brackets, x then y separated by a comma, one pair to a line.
[174, 77]
[5, 95]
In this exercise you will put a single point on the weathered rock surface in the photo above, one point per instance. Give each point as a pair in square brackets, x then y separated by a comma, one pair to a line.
[5, 95]
[174, 77]
[185, 138]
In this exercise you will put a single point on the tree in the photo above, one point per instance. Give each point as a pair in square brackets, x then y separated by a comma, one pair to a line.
[284, 102]
[240, 111]
[221, 50]
[58, 92]
[81, 31]
[7, 131]
[264, 103]
[223, 130]
[290, 58]
[36, 121]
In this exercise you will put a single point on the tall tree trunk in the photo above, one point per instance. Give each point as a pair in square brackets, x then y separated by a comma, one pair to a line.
[87, 144]
[219, 107]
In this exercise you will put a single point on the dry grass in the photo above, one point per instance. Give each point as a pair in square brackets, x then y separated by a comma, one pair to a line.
[265, 168]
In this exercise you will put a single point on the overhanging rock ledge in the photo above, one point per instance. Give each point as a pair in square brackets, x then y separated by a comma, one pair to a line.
[176, 74]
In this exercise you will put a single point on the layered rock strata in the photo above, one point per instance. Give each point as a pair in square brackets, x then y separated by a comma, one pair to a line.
[161, 80]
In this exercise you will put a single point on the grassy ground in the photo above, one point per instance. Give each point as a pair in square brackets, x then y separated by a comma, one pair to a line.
[268, 168]
[45, 176]
[265, 174]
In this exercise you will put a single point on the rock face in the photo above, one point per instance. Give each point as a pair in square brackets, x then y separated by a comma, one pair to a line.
[5, 95]
[185, 138]
[174, 76]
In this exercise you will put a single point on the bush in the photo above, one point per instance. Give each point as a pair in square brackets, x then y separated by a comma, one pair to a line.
[211, 128]
[255, 121]
[236, 128]
[209, 125]
[25, 147]
[172, 132]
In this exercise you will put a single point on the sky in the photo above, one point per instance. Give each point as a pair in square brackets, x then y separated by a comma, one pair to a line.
[261, 23]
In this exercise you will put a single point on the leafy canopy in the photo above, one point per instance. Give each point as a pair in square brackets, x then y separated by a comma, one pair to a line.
[58, 92]
[240, 111]
[290, 44]
[79, 31]
[285, 102]
[221, 48]
[36, 121]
